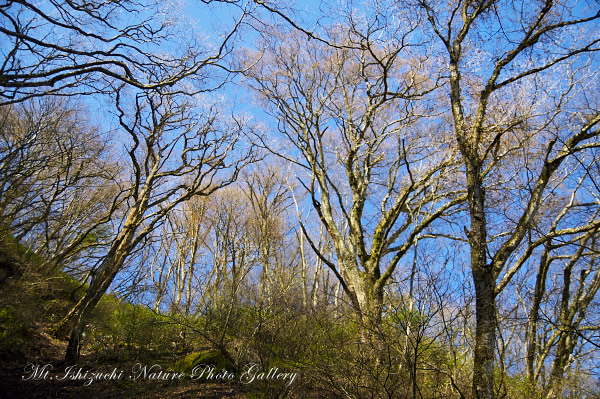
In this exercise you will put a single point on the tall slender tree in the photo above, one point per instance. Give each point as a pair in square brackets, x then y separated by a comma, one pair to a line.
[504, 59]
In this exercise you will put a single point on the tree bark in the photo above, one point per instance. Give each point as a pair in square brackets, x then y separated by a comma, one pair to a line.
[532, 328]
[485, 284]
[100, 283]
[485, 340]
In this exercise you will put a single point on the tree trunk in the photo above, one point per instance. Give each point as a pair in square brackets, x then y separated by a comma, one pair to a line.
[534, 314]
[100, 283]
[367, 301]
[101, 280]
[567, 340]
[564, 349]
[485, 334]
[484, 281]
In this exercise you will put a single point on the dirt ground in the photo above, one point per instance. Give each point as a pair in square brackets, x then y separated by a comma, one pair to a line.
[16, 382]
[12, 385]
[16, 379]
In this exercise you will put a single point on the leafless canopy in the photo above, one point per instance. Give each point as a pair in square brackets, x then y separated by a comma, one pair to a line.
[66, 47]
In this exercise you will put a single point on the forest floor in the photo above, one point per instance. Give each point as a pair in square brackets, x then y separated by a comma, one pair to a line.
[63, 382]
[12, 385]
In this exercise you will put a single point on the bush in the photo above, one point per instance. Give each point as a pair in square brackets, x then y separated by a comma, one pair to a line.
[211, 357]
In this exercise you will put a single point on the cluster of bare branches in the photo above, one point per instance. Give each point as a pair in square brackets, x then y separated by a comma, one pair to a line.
[72, 47]
[429, 173]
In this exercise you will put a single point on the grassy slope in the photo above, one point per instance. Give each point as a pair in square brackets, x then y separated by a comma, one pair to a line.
[32, 300]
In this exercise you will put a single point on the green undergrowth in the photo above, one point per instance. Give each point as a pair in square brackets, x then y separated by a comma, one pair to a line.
[209, 357]
[34, 299]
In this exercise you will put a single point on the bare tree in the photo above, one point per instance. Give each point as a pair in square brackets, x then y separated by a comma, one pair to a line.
[57, 181]
[313, 293]
[174, 155]
[234, 259]
[561, 255]
[66, 47]
[501, 55]
[376, 177]
[574, 326]
[269, 198]
[173, 268]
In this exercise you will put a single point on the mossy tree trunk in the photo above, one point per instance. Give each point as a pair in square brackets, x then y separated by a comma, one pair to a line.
[479, 134]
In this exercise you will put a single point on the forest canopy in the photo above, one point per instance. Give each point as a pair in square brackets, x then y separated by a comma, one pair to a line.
[392, 198]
